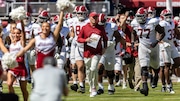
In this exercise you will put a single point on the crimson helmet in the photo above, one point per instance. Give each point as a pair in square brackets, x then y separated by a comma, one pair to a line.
[82, 12]
[166, 15]
[111, 20]
[101, 19]
[44, 16]
[68, 16]
[141, 15]
[151, 12]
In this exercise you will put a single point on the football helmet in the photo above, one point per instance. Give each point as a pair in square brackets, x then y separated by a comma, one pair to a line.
[82, 12]
[56, 18]
[141, 15]
[27, 20]
[111, 20]
[101, 19]
[44, 16]
[68, 16]
[166, 15]
[75, 10]
[129, 19]
[151, 12]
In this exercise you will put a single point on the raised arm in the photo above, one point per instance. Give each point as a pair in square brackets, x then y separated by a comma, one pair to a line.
[23, 36]
[2, 47]
[59, 26]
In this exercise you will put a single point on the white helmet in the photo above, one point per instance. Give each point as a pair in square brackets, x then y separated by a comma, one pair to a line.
[166, 15]
[82, 12]
[141, 15]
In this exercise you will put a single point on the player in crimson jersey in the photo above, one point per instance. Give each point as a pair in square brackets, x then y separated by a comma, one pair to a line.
[148, 51]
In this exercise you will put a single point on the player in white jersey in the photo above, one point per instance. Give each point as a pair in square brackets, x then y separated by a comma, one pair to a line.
[108, 58]
[29, 56]
[60, 54]
[148, 52]
[167, 50]
[77, 49]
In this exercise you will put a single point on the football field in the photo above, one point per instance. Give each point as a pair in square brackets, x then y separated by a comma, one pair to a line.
[120, 94]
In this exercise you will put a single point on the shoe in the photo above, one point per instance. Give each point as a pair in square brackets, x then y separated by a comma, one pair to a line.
[74, 87]
[81, 89]
[124, 86]
[163, 89]
[154, 81]
[100, 91]
[118, 84]
[93, 92]
[111, 92]
[145, 89]
[153, 86]
[130, 84]
[170, 90]
[136, 89]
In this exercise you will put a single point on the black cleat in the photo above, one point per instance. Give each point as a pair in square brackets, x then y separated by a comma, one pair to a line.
[111, 92]
[100, 91]
[145, 89]
[163, 89]
[130, 84]
[81, 89]
[74, 87]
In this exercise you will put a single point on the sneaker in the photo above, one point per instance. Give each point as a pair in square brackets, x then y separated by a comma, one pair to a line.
[145, 89]
[111, 92]
[93, 93]
[163, 89]
[170, 90]
[136, 89]
[74, 87]
[153, 86]
[118, 84]
[81, 89]
[100, 91]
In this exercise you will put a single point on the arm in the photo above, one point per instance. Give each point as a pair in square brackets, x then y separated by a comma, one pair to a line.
[23, 36]
[119, 38]
[29, 45]
[3, 48]
[105, 38]
[160, 32]
[81, 38]
[59, 26]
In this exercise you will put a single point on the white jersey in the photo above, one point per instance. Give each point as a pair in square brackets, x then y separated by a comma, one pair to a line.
[69, 22]
[169, 31]
[45, 46]
[109, 29]
[15, 48]
[145, 32]
[36, 28]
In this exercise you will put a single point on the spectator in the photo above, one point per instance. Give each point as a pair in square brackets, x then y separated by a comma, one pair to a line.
[46, 88]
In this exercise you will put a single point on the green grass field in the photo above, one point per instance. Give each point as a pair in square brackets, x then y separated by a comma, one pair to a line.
[120, 94]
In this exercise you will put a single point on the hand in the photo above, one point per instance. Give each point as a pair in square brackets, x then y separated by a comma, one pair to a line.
[57, 56]
[33, 53]
[122, 52]
[88, 40]
[154, 44]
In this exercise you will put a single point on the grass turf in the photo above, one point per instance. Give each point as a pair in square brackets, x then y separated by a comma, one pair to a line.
[120, 94]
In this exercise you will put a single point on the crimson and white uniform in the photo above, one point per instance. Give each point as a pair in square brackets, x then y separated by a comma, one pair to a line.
[20, 71]
[78, 47]
[108, 58]
[36, 29]
[44, 47]
[167, 47]
[147, 55]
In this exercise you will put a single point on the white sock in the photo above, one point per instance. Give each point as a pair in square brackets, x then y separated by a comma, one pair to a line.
[74, 82]
[100, 86]
[81, 84]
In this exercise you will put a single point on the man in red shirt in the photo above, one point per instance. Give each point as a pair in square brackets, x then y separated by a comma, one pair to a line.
[92, 36]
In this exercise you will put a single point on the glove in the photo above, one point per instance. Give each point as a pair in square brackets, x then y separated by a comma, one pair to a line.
[33, 52]
[57, 56]
[154, 43]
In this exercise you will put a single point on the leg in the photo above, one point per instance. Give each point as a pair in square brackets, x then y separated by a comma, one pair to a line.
[137, 70]
[110, 75]
[144, 75]
[23, 85]
[81, 74]
[10, 80]
[100, 78]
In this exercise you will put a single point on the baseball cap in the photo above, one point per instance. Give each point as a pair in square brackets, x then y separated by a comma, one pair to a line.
[93, 14]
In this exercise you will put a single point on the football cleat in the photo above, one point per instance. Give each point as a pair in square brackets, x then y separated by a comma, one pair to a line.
[74, 87]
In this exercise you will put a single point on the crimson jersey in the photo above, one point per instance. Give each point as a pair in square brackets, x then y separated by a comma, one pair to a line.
[86, 32]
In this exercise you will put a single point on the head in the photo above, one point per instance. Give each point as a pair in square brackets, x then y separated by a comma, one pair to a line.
[56, 19]
[129, 19]
[75, 11]
[166, 15]
[82, 13]
[12, 26]
[50, 61]
[111, 20]
[101, 19]
[151, 12]
[68, 16]
[16, 35]
[46, 28]
[93, 17]
[141, 15]
[44, 16]
[27, 20]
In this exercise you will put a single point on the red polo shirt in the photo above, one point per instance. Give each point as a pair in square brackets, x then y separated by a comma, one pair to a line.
[86, 32]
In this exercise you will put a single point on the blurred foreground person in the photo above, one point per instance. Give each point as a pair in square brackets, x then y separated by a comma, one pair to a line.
[46, 88]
